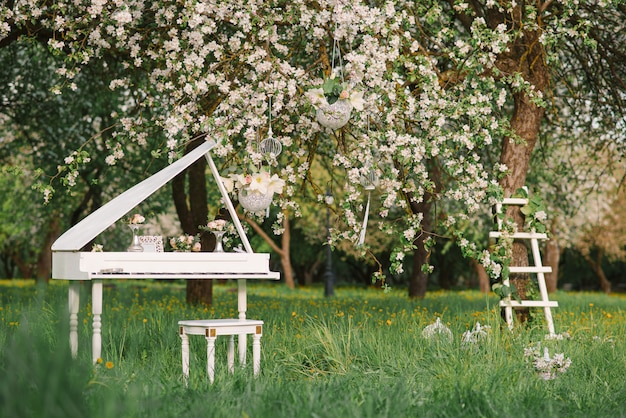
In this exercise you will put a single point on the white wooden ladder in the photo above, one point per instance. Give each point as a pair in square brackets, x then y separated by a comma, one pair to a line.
[539, 269]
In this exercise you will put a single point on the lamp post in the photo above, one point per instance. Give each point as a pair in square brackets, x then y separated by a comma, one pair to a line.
[329, 276]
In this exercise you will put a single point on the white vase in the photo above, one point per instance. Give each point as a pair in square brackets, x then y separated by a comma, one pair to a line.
[254, 201]
[336, 115]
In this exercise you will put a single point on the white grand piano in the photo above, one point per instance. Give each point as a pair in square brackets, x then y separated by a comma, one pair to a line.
[70, 263]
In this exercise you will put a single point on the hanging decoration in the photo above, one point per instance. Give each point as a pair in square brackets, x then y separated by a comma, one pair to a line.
[334, 99]
[270, 147]
[369, 182]
[255, 191]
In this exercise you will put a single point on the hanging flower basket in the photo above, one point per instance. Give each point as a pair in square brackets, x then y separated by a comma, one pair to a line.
[334, 102]
[255, 201]
[254, 191]
[336, 115]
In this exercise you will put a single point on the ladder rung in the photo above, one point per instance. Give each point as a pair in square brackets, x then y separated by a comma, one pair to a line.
[530, 269]
[515, 201]
[520, 235]
[529, 303]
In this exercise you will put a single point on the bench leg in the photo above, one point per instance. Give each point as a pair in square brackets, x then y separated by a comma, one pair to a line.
[185, 354]
[256, 353]
[242, 345]
[210, 357]
[231, 354]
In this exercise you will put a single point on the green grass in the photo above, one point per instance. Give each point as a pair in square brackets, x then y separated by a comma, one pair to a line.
[358, 354]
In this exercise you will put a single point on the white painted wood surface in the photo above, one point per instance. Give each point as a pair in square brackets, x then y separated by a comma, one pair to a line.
[538, 268]
[213, 328]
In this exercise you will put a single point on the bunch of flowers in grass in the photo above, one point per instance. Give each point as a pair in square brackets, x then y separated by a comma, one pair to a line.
[473, 337]
[437, 331]
[185, 243]
[547, 367]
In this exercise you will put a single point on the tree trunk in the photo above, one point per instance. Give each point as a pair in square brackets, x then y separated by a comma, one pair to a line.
[596, 266]
[192, 211]
[418, 283]
[525, 56]
[483, 277]
[283, 251]
[553, 255]
[44, 261]
[309, 273]
[285, 256]
[25, 269]
[445, 276]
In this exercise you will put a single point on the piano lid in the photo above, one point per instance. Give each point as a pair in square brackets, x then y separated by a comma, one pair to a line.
[90, 227]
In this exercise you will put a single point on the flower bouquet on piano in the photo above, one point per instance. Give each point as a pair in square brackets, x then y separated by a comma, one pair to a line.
[185, 243]
[136, 219]
[134, 223]
[218, 227]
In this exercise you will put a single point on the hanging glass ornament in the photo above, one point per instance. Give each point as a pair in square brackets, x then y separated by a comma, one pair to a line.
[369, 182]
[270, 147]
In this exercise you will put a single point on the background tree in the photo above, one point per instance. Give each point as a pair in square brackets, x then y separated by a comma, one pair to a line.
[442, 82]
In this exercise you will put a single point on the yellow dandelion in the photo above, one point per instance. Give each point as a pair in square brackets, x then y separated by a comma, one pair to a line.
[389, 322]
[99, 360]
[145, 320]
[591, 305]
[109, 364]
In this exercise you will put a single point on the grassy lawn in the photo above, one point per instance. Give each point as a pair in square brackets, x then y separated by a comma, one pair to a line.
[358, 354]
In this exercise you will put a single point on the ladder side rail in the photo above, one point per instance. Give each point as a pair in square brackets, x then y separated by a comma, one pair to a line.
[541, 280]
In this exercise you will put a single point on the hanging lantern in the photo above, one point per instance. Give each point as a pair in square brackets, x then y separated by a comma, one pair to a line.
[270, 147]
[254, 201]
[336, 115]
[369, 181]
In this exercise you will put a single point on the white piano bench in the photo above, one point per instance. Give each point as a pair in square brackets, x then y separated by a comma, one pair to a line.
[213, 328]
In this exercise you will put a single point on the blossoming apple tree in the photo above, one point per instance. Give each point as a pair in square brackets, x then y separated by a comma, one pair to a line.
[440, 84]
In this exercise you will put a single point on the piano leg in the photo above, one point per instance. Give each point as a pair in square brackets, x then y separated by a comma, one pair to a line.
[73, 302]
[96, 300]
[242, 305]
